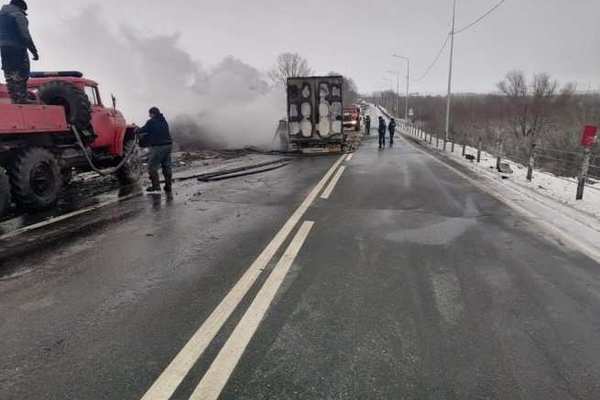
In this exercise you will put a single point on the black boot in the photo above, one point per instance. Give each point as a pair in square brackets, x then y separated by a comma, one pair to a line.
[168, 181]
[155, 188]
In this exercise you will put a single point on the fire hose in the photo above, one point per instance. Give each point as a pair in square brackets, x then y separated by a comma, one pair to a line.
[107, 171]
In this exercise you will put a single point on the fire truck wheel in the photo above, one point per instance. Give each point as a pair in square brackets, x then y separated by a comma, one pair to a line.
[67, 176]
[35, 179]
[131, 172]
[76, 103]
[4, 193]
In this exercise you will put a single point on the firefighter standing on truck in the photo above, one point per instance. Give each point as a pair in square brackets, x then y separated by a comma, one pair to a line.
[157, 136]
[15, 41]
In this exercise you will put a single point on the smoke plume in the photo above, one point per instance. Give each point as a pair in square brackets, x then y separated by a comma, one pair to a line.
[230, 105]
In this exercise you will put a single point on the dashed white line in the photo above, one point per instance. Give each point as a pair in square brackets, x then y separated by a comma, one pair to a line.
[216, 377]
[350, 156]
[173, 375]
[327, 193]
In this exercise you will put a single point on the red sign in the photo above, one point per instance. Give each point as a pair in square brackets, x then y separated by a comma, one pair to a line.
[589, 136]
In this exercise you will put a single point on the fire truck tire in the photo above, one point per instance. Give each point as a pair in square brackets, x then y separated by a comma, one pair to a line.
[35, 179]
[131, 172]
[67, 176]
[4, 193]
[76, 103]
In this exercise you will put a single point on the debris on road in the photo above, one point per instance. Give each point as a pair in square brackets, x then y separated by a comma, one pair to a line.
[245, 172]
[211, 176]
[204, 175]
[89, 190]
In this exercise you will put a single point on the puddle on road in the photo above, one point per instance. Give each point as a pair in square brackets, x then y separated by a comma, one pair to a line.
[90, 190]
[14, 274]
[440, 232]
[66, 206]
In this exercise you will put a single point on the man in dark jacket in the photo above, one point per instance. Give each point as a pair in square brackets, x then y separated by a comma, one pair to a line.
[157, 136]
[368, 125]
[15, 40]
[392, 129]
[382, 131]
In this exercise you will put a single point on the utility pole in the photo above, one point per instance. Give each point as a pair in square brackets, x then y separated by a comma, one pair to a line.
[447, 134]
[397, 73]
[584, 173]
[391, 83]
[407, 84]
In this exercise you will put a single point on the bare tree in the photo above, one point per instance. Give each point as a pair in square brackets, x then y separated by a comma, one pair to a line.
[532, 110]
[522, 113]
[350, 90]
[529, 108]
[289, 65]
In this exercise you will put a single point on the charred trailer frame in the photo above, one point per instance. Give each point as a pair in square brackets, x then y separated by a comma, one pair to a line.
[315, 111]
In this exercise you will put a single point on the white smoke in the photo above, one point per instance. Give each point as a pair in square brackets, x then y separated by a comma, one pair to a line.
[230, 105]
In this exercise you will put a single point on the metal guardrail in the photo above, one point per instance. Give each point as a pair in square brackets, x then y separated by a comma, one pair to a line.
[561, 163]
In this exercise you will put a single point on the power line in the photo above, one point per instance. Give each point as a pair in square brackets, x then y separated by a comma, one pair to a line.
[437, 58]
[472, 24]
[478, 20]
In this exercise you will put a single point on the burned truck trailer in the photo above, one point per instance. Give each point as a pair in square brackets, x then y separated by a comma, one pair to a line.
[315, 114]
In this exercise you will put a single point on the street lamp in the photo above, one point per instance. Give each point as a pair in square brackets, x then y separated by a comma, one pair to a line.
[407, 83]
[397, 74]
[391, 83]
[449, 98]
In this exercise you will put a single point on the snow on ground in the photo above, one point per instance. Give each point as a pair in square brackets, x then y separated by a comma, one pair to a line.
[548, 200]
[544, 184]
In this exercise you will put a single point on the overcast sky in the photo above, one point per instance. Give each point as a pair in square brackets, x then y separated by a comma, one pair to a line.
[357, 38]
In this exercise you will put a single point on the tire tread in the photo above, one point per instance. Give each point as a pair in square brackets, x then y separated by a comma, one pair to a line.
[19, 179]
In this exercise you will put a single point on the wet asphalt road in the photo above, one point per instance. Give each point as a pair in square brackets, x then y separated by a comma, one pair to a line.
[412, 284]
